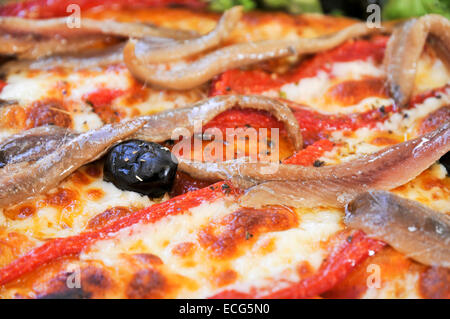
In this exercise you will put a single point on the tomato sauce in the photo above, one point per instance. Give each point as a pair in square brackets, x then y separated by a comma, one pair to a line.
[101, 101]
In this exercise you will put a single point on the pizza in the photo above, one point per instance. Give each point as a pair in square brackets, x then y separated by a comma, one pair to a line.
[169, 152]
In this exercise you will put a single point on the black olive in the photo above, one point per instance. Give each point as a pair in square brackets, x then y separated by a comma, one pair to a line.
[140, 166]
[445, 160]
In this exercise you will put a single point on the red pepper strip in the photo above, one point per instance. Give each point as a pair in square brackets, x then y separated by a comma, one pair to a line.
[342, 260]
[235, 118]
[2, 85]
[310, 154]
[102, 96]
[314, 125]
[43, 9]
[257, 81]
[73, 245]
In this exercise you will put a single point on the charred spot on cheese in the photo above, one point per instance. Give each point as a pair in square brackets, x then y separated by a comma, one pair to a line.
[95, 193]
[48, 112]
[19, 212]
[79, 178]
[93, 170]
[63, 197]
[94, 283]
[183, 249]
[435, 283]
[148, 259]
[384, 140]
[224, 238]
[137, 93]
[108, 216]
[225, 277]
[351, 92]
[147, 283]
[101, 102]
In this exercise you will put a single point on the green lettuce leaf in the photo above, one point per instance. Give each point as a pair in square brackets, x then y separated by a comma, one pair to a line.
[401, 9]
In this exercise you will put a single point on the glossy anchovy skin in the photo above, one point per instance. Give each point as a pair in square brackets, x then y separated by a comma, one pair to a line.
[28, 47]
[37, 160]
[60, 27]
[405, 47]
[34, 38]
[32, 144]
[75, 60]
[160, 127]
[206, 67]
[333, 185]
[411, 228]
[20, 181]
[156, 50]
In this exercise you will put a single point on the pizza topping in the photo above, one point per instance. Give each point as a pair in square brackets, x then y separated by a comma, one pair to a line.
[32, 39]
[163, 50]
[255, 81]
[21, 181]
[60, 27]
[73, 245]
[31, 145]
[226, 237]
[18, 184]
[405, 47]
[140, 166]
[309, 155]
[233, 56]
[333, 185]
[343, 258]
[48, 112]
[435, 283]
[86, 59]
[101, 101]
[435, 119]
[411, 228]
[160, 127]
[31, 47]
[58, 8]
[352, 92]
[445, 160]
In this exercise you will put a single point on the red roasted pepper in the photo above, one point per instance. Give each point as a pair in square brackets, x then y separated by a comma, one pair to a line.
[258, 81]
[73, 245]
[309, 155]
[342, 260]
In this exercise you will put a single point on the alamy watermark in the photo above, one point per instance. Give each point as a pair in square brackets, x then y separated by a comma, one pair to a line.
[374, 18]
[73, 21]
[74, 277]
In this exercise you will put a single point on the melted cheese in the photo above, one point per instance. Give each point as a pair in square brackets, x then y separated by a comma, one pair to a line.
[273, 257]
[289, 248]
